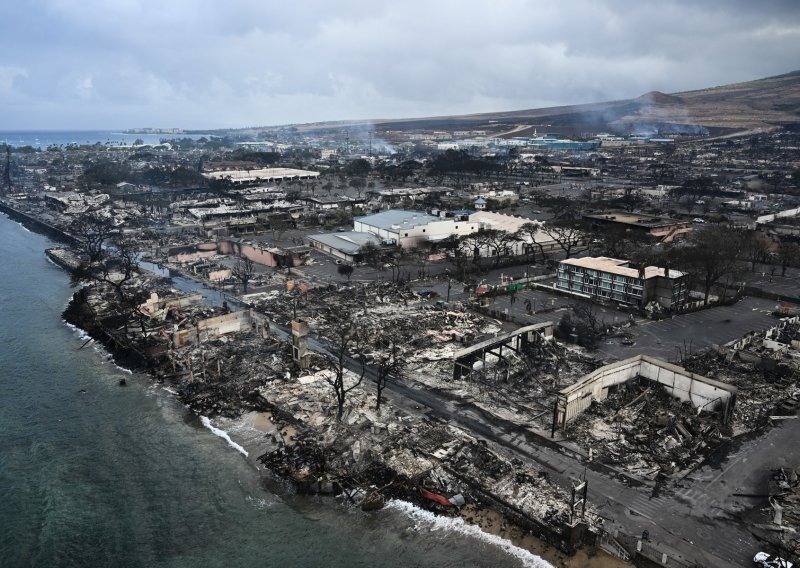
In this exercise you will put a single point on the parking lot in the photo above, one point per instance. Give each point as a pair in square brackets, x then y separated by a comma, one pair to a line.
[667, 338]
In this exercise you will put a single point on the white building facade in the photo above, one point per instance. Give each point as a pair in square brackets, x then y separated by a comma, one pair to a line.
[409, 228]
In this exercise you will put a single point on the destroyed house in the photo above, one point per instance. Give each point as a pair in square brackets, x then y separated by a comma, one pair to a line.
[662, 228]
[336, 202]
[702, 393]
[614, 280]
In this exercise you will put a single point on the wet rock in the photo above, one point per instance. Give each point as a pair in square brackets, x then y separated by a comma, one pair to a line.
[374, 501]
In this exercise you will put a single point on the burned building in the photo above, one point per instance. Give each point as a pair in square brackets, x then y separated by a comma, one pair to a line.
[661, 228]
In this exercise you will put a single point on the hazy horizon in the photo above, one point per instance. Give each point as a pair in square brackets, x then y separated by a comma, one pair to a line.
[96, 65]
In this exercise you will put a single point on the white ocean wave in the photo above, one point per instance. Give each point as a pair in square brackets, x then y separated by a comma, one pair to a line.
[222, 434]
[98, 347]
[426, 520]
[81, 333]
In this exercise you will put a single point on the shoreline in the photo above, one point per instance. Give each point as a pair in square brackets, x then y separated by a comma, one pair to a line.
[248, 433]
[129, 357]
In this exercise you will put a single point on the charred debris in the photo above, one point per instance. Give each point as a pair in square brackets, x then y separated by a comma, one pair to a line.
[224, 363]
[642, 429]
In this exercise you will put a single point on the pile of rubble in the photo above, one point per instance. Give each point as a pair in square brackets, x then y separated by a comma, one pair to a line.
[647, 432]
[766, 373]
[525, 391]
[225, 376]
[510, 482]
[369, 455]
[429, 336]
[781, 527]
[643, 429]
[409, 457]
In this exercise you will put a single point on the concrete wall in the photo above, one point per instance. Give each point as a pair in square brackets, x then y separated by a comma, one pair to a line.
[769, 218]
[214, 327]
[219, 275]
[258, 255]
[156, 304]
[702, 392]
[747, 340]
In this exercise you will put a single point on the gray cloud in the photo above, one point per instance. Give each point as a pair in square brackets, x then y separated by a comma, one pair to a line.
[205, 63]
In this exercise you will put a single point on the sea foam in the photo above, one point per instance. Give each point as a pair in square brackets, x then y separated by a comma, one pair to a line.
[82, 335]
[222, 434]
[426, 520]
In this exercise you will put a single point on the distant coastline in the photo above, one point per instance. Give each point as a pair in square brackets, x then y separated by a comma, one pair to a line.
[43, 139]
[154, 131]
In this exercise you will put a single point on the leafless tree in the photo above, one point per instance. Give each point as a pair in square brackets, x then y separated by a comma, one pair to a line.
[93, 231]
[583, 322]
[570, 235]
[422, 254]
[756, 248]
[386, 360]
[788, 253]
[243, 271]
[711, 254]
[118, 265]
[394, 259]
[346, 336]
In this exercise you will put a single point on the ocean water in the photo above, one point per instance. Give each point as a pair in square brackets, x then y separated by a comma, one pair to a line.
[44, 138]
[94, 474]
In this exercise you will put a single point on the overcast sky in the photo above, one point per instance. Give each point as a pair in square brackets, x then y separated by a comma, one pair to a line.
[69, 64]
